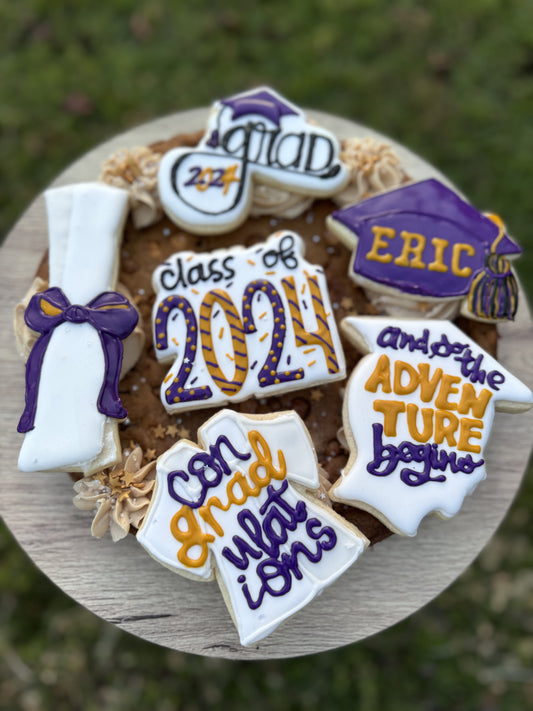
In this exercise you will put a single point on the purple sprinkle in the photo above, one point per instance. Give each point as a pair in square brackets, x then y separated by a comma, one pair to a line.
[304, 304]
[254, 364]
[288, 360]
[229, 284]
[215, 315]
[194, 380]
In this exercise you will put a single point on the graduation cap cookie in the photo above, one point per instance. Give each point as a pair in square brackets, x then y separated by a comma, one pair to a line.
[417, 415]
[422, 244]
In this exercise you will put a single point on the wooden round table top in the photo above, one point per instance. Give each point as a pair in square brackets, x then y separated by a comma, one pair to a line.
[125, 586]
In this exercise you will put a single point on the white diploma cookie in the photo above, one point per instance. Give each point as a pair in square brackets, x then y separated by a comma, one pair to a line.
[417, 414]
[238, 507]
[69, 432]
[257, 136]
[242, 322]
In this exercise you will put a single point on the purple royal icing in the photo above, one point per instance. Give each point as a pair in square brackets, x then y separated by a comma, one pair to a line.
[110, 313]
[261, 103]
[430, 209]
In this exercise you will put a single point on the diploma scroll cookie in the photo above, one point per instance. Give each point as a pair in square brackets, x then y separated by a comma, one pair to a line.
[253, 137]
[421, 250]
[239, 507]
[72, 409]
[417, 414]
[238, 323]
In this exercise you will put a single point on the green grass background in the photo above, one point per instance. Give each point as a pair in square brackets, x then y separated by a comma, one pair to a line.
[455, 84]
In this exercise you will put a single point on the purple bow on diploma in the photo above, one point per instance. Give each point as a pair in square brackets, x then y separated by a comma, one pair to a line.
[110, 313]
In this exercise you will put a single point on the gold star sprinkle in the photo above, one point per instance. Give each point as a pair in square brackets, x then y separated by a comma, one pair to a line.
[346, 303]
[150, 454]
[184, 433]
[159, 431]
[172, 430]
[316, 395]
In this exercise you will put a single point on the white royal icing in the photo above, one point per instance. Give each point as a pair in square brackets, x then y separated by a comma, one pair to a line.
[242, 322]
[257, 136]
[394, 394]
[85, 228]
[268, 528]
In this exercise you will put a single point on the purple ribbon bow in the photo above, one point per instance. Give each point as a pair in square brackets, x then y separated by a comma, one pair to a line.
[110, 313]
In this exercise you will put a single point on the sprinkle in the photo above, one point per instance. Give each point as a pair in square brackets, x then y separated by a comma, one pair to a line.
[330, 250]
[335, 306]
[134, 388]
[194, 380]
[312, 362]
[316, 238]
[263, 337]
[166, 231]
[251, 261]
[263, 314]
[230, 357]
[253, 365]
[221, 332]
[273, 222]
[174, 341]
[309, 218]
[159, 431]
[195, 291]
[272, 271]
[303, 288]
[189, 258]
[309, 350]
[141, 292]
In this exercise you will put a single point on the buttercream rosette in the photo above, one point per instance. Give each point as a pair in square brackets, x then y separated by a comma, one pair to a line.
[135, 170]
[373, 167]
[120, 495]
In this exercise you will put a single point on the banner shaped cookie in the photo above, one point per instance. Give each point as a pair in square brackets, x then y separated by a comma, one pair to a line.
[424, 241]
[72, 403]
[243, 322]
[257, 136]
[233, 507]
[417, 415]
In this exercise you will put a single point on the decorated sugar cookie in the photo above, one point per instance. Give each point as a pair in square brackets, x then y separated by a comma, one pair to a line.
[238, 507]
[253, 137]
[417, 415]
[238, 323]
[73, 407]
[421, 244]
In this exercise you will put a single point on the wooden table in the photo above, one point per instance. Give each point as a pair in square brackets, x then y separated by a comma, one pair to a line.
[122, 584]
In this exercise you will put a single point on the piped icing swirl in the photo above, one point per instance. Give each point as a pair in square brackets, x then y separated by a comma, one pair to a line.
[373, 166]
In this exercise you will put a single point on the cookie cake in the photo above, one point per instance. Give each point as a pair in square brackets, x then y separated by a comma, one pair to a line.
[260, 349]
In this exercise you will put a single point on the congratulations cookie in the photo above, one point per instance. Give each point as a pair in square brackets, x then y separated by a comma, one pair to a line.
[240, 507]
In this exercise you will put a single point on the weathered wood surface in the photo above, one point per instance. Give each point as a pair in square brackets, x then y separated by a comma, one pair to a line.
[122, 584]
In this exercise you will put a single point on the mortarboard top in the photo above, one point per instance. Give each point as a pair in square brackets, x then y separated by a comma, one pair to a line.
[262, 102]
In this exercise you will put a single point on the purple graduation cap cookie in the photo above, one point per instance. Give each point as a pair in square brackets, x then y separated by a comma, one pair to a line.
[424, 244]
[253, 137]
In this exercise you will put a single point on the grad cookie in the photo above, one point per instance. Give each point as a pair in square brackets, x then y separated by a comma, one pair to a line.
[242, 322]
[423, 249]
[257, 136]
[72, 409]
[417, 414]
[239, 507]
